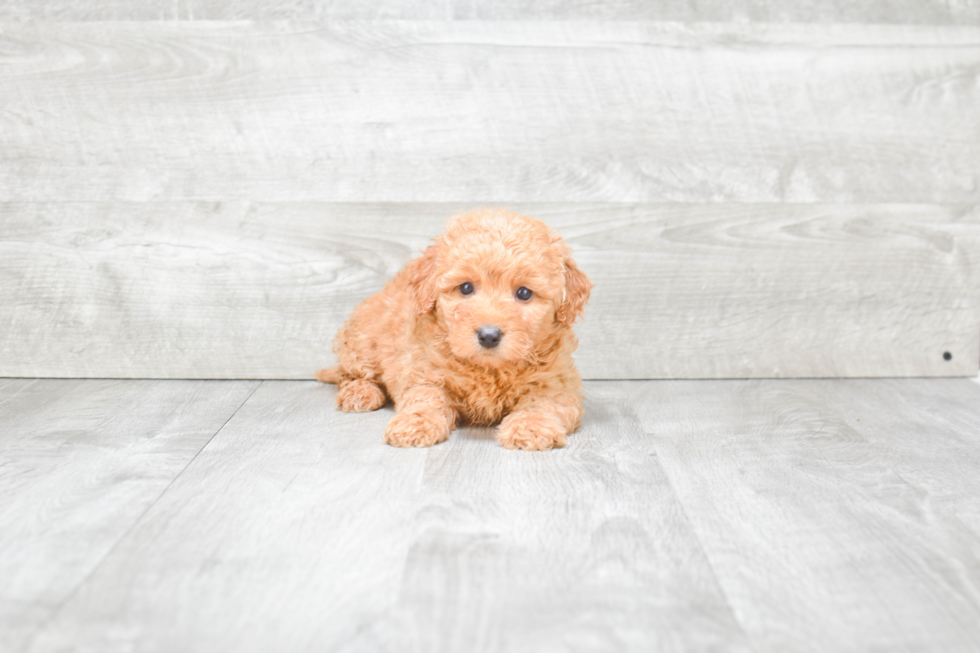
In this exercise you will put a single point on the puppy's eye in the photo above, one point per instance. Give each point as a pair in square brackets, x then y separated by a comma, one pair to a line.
[466, 288]
[524, 294]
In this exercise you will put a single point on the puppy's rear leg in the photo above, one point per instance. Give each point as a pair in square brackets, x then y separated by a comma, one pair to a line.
[360, 395]
[329, 375]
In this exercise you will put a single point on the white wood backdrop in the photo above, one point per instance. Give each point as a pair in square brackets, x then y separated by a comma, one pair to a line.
[209, 199]
[257, 290]
[932, 12]
[499, 112]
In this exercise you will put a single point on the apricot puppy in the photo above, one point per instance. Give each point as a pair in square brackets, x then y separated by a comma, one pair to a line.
[477, 330]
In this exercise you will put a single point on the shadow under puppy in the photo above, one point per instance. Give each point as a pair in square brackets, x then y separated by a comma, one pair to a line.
[477, 330]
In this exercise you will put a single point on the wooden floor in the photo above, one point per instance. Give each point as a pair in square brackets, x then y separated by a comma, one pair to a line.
[785, 515]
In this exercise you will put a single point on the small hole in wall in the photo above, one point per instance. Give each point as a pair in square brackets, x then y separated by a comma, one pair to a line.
[947, 356]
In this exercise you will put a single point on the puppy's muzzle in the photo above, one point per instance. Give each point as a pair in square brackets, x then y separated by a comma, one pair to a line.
[489, 336]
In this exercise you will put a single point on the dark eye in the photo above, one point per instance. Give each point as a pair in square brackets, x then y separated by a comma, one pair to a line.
[524, 294]
[466, 288]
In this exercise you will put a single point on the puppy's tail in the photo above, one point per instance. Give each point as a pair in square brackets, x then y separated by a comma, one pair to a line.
[329, 375]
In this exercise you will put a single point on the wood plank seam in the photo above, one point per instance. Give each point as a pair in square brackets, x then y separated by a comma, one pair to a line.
[690, 524]
[53, 614]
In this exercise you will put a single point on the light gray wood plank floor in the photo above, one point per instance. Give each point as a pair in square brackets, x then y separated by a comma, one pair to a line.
[80, 462]
[764, 515]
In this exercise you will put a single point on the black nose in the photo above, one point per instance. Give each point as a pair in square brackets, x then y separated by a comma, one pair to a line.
[489, 336]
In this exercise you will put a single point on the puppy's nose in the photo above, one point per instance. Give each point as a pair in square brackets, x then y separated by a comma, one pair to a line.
[489, 336]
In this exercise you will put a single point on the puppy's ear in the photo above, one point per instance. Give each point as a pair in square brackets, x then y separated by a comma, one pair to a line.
[422, 280]
[577, 290]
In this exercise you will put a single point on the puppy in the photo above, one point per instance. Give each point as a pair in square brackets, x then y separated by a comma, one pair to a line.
[477, 330]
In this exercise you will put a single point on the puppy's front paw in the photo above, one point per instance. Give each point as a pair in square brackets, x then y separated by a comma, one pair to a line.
[360, 396]
[531, 431]
[416, 429]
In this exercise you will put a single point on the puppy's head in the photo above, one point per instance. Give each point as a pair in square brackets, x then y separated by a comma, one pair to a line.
[498, 283]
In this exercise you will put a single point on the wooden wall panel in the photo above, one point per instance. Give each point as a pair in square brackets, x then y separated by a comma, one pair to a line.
[210, 199]
[257, 290]
[501, 112]
[933, 12]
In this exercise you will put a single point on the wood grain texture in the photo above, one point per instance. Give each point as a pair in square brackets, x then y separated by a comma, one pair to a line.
[80, 462]
[584, 548]
[795, 11]
[770, 516]
[257, 290]
[931, 444]
[468, 111]
[290, 532]
[818, 538]
[311, 534]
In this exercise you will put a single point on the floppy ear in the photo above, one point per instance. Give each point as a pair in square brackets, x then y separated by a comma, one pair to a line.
[577, 289]
[421, 280]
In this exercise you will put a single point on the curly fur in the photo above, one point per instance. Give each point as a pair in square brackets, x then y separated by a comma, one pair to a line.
[416, 341]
